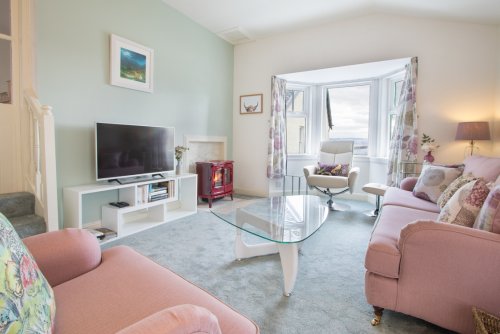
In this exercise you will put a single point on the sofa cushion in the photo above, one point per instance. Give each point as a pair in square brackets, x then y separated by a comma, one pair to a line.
[127, 287]
[27, 300]
[463, 207]
[383, 256]
[404, 198]
[434, 180]
[488, 218]
[486, 167]
[453, 187]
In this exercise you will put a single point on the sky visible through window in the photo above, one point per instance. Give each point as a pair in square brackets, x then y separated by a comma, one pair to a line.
[350, 108]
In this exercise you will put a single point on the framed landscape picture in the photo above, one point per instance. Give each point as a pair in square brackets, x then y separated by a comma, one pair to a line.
[131, 64]
[251, 104]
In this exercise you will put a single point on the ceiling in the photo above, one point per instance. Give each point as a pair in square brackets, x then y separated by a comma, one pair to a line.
[239, 21]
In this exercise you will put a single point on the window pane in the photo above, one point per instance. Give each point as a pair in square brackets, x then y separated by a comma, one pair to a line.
[295, 135]
[5, 72]
[398, 85]
[294, 101]
[298, 101]
[5, 17]
[289, 101]
[350, 107]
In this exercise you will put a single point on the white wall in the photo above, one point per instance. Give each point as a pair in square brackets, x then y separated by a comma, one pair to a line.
[457, 77]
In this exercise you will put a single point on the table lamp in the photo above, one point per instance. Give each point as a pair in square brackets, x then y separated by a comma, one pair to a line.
[473, 131]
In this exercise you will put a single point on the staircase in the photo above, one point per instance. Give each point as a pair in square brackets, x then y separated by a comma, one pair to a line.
[19, 208]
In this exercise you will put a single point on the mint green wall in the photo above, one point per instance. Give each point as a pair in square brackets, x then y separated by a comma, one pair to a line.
[193, 76]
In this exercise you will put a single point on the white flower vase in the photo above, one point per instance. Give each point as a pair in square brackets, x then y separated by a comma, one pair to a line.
[178, 167]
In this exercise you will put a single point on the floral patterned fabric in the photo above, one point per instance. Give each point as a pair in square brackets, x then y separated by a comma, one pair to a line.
[464, 206]
[453, 187]
[332, 170]
[27, 300]
[404, 141]
[488, 218]
[276, 162]
[434, 180]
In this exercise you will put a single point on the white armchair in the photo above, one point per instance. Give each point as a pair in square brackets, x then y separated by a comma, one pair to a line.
[333, 152]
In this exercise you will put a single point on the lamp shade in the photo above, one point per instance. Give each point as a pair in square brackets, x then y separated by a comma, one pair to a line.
[473, 131]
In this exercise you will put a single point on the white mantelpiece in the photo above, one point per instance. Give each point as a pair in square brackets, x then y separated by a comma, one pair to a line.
[203, 148]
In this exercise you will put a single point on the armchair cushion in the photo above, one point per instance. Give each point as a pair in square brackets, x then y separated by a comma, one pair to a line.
[180, 319]
[27, 300]
[332, 170]
[434, 180]
[75, 250]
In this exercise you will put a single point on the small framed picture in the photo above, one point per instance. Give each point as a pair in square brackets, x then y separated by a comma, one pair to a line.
[251, 104]
[131, 64]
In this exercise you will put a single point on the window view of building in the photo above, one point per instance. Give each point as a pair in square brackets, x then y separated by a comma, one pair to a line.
[296, 121]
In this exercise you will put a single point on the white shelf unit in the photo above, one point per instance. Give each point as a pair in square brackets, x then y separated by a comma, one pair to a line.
[135, 217]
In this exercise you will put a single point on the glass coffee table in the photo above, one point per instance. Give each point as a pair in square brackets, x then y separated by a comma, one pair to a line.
[284, 222]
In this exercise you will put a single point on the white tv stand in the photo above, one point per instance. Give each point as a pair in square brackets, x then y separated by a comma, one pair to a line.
[137, 216]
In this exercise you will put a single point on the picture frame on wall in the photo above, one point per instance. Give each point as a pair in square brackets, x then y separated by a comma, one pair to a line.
[131, 64]
[251, 104]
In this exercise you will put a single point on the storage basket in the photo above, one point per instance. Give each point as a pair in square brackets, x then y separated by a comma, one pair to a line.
[485, 323]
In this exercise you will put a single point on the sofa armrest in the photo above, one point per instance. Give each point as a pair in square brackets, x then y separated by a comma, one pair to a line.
[449, 266]
[65, 254]
[408, 183]
[180, 319]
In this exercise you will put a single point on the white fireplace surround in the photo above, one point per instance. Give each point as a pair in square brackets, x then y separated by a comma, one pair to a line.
[203, 148]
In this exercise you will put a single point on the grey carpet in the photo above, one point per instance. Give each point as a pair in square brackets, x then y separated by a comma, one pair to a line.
[328, 296]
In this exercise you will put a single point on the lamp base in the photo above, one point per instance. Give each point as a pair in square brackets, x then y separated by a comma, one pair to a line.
[471, 150]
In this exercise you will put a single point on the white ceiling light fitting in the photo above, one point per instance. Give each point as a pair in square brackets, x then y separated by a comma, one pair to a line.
[235, 36]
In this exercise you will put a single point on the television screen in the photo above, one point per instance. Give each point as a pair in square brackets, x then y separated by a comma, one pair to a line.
[132, 150]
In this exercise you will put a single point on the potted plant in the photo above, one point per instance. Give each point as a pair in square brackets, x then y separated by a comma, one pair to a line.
[179, 151]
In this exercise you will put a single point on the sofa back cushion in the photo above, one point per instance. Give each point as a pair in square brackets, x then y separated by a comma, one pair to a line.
[488, 218]
[486, 167]
[28, 304]
[434, 180]
[464, 206]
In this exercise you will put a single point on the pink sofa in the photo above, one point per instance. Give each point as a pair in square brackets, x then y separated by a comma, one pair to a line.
[433, 271]
[121, 291]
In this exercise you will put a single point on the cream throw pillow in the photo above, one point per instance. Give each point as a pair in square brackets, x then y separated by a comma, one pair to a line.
[464, 206]
[433, 181]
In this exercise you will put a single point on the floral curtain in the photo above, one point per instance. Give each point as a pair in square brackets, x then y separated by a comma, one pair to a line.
[404, 141]
[276, 164]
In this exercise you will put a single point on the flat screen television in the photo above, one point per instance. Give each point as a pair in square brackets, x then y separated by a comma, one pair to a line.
[124, 151]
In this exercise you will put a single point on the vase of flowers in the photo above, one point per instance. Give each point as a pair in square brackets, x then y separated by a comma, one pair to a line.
[179, 151]
[428, 145]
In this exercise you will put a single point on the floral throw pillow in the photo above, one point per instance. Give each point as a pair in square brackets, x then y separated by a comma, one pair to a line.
[332, 170]
[433, 181]
[488, 218]
[27, 300]
[453, 187]
[464, 206]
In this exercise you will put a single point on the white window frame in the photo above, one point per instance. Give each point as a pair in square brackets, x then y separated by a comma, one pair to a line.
[387, 107]
[372, 116]
[308, 91]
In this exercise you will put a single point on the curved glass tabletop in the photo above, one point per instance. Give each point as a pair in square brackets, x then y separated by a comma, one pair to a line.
[282, 219]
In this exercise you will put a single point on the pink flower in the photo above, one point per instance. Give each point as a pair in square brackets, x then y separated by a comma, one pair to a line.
[28, 270]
